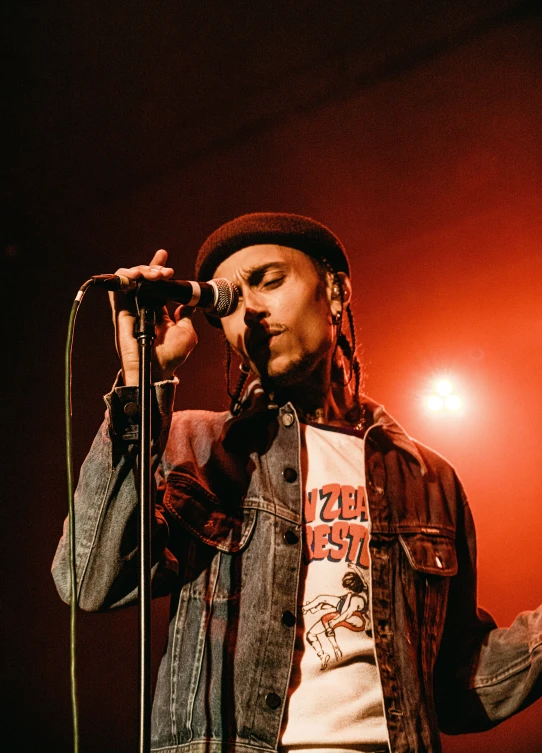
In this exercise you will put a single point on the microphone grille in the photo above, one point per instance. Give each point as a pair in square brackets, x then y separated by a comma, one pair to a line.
[226, 298]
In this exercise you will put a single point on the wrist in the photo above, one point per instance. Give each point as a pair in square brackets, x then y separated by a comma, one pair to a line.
[161, 375]
[131, 377]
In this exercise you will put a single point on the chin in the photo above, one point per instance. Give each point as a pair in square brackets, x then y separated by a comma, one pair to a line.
[280, 375]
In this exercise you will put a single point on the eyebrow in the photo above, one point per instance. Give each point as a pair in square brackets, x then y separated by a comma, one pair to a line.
[253, 275]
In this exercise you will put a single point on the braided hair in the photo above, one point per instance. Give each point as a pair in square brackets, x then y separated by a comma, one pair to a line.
[346, 339]
[235, 395]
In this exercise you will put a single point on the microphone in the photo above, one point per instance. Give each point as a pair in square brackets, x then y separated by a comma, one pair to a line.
[217, 297]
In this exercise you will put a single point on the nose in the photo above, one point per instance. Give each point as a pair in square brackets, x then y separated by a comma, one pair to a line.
[255, 308]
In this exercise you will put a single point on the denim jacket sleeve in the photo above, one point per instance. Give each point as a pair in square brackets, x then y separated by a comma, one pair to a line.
[105, 508]
[484, 674]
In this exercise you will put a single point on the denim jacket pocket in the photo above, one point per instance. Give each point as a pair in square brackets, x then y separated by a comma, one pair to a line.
[433, 561]
[430, 553]
[226, 527]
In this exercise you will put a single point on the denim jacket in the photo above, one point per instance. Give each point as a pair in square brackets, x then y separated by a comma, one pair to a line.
[227, 547]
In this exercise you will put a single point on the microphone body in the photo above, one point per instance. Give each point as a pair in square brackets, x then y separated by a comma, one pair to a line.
[217, 297]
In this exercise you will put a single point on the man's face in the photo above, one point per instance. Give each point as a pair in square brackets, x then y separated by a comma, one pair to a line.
[283, 323]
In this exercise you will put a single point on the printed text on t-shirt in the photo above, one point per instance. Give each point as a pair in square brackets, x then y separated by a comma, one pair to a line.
[341, 535]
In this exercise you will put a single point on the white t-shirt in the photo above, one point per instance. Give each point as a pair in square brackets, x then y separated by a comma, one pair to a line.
[335, 696]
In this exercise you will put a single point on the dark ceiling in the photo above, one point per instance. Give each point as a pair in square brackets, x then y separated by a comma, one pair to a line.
[103, 96]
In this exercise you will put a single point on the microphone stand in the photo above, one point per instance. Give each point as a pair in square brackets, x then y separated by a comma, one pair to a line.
[225, 297]
[145, 334]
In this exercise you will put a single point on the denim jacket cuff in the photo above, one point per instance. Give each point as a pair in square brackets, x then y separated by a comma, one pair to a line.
[123, 408]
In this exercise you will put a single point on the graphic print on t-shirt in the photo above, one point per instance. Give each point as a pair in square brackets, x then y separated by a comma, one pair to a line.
[350, 610]
[335, 694]
[336, 529]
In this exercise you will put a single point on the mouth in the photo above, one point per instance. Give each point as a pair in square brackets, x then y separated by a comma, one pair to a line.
[261, 341]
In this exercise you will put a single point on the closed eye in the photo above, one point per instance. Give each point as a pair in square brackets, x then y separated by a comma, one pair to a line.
[274, 282]
[266, 276]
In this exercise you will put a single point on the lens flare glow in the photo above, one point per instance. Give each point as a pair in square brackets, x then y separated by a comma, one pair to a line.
[443, 387]
[452, 402]
[435, 403]
[443, 398]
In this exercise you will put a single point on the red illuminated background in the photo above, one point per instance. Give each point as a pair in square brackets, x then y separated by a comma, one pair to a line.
[412, 129]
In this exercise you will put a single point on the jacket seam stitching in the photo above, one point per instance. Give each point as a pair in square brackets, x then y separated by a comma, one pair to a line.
[97, 524]
[514, 669]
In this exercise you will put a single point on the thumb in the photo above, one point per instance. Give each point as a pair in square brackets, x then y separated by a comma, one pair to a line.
[183, 312]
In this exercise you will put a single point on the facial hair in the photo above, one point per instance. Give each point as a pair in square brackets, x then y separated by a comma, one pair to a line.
[298, 372]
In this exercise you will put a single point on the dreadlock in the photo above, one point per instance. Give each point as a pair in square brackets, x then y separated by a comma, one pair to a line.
[349, 349]
[235, 395]
[346, 342]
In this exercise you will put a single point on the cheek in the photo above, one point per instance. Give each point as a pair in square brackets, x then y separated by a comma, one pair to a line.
[313, 328]
[232, 333]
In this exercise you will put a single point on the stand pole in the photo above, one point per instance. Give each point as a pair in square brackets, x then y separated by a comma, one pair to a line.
[145, 335]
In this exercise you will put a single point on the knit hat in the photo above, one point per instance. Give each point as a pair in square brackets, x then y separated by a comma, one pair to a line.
[292, 230]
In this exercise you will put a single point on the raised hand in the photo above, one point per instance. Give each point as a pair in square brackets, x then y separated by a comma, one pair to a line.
[175, 337]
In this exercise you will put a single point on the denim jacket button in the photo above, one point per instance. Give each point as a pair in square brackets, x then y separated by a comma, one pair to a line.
[273, 700]
[290, 475]
[290, 537]
[287, 419]
[288, 618]
[131, 409]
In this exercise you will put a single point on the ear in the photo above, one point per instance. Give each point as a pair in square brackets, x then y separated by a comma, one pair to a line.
[338, 297]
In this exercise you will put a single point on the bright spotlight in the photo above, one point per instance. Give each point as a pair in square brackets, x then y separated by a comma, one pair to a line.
[435, 403]
[443, 387]
[443, 398]
[452, 402]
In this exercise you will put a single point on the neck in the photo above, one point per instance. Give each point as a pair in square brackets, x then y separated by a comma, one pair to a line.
[320, 399]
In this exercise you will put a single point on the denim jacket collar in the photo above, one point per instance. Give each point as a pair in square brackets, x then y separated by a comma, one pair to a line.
[257, 406]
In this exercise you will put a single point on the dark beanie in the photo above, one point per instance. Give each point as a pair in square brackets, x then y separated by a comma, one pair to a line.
[292, 230]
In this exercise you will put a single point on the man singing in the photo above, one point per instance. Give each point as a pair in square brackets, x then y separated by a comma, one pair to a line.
[320, 562]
